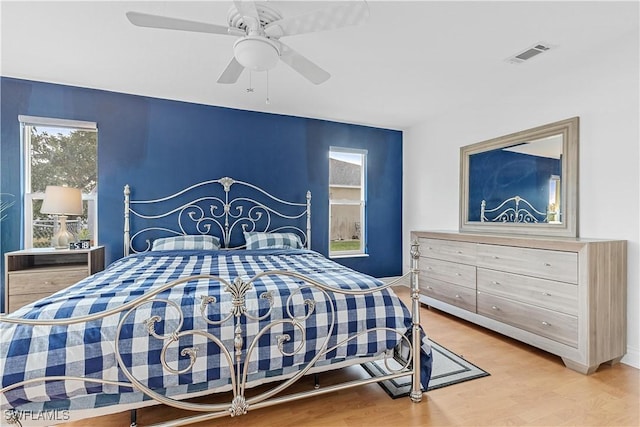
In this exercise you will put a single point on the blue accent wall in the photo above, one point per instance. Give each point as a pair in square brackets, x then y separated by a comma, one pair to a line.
[504, 174]
[159, 146]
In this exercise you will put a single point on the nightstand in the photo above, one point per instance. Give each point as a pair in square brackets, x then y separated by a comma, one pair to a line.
[32, 274]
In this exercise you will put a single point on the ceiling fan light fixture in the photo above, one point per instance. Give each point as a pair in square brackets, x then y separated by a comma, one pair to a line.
[256, 53]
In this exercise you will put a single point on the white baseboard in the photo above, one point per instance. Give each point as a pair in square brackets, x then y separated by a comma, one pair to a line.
[632, 358]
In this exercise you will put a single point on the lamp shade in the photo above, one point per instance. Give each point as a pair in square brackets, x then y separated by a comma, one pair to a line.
[62, 201]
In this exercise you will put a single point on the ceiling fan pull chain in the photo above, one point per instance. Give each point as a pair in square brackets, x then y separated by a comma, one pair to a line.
[268, 101]
[250, 88]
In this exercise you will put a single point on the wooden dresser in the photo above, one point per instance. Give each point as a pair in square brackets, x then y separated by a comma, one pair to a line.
[566, 296]
[32, 274]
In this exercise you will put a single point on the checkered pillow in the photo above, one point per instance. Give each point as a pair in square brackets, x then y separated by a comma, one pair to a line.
[257, 240]
[198, 242]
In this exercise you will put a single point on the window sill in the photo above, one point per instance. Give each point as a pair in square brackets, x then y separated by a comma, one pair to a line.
[348, 256]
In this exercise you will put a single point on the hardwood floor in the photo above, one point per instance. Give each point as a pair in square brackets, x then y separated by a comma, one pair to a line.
[527, 387]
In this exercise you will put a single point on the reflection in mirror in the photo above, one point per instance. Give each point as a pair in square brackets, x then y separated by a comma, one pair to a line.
[515, 183]
[522, 183]
[553, 215]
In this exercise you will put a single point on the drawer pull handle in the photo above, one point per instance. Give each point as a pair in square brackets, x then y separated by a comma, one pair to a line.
[47, 282]
[546, 323]
[430, 248]
[457, 296]
[495, 282]
[547, 264]
[429, 288]
[493, 307]
[496, 257]
[546, 294]
[458, 274]
[459, 252]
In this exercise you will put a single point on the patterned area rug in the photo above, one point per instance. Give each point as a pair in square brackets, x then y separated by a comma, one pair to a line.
[448, 368]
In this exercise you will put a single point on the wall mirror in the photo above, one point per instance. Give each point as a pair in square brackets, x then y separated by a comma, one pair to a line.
[523, 183]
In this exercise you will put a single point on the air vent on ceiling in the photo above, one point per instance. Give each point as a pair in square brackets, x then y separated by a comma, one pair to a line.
[529, 53]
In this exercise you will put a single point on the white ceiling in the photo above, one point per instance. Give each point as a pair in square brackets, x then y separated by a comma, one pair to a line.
[408, 62]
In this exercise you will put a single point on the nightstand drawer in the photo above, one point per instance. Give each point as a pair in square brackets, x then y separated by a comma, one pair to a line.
[47, 280]
[18, 301]
[32, 274]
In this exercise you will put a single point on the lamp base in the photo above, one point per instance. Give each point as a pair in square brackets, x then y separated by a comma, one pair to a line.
[63, 237]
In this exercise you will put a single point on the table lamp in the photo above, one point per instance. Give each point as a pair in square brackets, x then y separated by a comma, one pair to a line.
[62, 201]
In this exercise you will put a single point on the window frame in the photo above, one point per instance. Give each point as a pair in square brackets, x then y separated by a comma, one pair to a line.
[26, 123]
[363, 250]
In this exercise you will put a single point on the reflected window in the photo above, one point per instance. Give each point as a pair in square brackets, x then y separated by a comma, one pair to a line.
[553, 213]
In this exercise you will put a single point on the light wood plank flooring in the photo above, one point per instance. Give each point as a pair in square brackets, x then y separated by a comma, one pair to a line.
[527, 387]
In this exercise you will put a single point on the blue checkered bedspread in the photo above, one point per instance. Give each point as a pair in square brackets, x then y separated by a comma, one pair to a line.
[87, 349]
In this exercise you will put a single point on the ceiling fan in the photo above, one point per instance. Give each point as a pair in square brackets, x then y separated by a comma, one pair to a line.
[259, 27]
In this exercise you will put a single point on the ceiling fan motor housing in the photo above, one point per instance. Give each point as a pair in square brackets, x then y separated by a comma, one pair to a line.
[257, 53]
[266, 15]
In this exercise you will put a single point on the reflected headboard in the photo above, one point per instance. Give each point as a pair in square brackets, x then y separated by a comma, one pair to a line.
[223, 207]
[514, 209]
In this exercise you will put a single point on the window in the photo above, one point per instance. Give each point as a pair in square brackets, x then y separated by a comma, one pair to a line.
[64, 153]
[347, 201]
[553, 210]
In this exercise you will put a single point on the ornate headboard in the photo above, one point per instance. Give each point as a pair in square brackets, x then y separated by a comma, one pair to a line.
[223, 207]
[514, 209]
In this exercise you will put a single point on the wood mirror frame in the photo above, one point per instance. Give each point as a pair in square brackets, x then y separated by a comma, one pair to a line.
[568, 206]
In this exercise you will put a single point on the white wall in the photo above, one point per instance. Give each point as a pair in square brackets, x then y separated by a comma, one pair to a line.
[603, 90]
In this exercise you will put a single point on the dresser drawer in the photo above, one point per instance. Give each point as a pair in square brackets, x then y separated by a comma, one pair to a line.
[47, 280]
[459, 296]
[546, 264]
[448, 250]
[557, 296]
[547, 323]
[452, 272]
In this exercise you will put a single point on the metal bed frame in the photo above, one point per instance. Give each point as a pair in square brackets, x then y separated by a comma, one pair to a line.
[514, 209]
[222, 213]
[228, 215]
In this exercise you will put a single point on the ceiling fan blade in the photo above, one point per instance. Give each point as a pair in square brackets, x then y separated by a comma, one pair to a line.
[247, 8]
[231, 73]
[302, 65]
[155, 21]
[348, 13]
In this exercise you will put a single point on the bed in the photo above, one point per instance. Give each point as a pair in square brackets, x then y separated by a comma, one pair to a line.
[218, 291]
